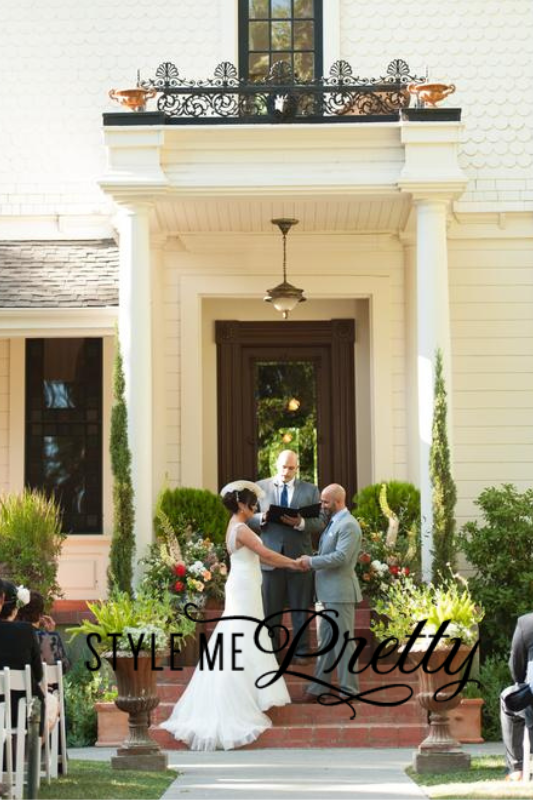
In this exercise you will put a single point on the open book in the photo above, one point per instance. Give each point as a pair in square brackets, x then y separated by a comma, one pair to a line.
[276, 512]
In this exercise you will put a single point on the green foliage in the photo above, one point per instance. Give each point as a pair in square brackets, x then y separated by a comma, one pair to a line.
[403, 499]
[444, 494]
[31, 540]
[83, 689]
[407, 604]
[193, 510]
[120, 571]
[145, 613]
[494, 676]
[388, 514]
[500, 549]
[92, 780]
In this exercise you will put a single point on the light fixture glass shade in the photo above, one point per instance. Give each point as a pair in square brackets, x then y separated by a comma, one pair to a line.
[285, 297]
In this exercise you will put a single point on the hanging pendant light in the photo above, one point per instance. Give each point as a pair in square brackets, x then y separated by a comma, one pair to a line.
[284, 297]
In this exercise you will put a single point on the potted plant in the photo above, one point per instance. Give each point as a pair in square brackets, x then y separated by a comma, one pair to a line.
[465, 719]
[446, 644]
[132, 634]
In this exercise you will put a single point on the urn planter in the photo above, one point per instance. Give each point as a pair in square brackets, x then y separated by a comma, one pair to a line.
[440, 751]
[137, 696]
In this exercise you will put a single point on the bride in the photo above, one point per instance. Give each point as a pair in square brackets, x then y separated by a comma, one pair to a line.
[221, 707]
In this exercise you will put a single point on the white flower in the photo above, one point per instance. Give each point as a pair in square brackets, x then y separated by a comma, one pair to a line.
[23, 596]
[379, 567]
[197, 568]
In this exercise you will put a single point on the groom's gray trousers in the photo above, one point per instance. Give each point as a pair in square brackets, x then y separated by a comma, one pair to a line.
[345, 622]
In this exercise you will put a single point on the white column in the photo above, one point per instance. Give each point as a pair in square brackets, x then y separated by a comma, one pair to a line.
[135, 333]
[432, 332]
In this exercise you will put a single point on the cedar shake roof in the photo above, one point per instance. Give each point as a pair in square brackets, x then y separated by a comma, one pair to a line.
[58, 274]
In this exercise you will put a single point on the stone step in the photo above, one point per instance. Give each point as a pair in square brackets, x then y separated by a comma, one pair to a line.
[317, 714]
[319, 736]
[368, 677]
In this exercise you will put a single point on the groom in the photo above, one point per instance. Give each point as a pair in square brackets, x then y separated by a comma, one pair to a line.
[337, 589]
[291, 537]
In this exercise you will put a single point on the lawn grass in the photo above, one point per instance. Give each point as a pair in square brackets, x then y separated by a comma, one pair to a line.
[483, 781]
[96, 780]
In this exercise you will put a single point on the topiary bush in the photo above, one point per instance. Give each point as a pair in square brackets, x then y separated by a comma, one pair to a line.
[500, 549]
[196, 509]
[30, 541]
[403, 498]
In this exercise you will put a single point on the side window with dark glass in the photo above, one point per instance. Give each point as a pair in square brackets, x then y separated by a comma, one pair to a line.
[273, 31]
[64, 427]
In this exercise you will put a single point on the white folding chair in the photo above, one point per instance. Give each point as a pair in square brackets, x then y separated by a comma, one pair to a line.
[15, 681]
[6, 779]
[526, 763]
[54, 754]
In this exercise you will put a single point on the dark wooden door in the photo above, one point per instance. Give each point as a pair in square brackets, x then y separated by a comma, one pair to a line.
[327, 348]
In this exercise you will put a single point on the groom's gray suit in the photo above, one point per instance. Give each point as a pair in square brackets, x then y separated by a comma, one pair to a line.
[337, 588]
[281, 586]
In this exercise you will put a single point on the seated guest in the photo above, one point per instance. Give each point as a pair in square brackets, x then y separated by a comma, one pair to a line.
[18, 641]
[516, 709]
[50, 642]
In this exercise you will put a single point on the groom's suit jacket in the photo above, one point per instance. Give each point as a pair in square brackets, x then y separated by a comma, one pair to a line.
[282, 538]
[335, 578]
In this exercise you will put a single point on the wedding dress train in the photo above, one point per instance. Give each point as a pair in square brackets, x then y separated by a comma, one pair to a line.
[221, 707]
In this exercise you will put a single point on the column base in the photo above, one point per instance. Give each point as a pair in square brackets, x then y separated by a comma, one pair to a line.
[425, 762]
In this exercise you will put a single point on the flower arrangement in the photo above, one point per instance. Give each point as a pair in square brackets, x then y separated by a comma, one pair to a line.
[192, 573]
[153, 616]
[387, 557]
[408, 603]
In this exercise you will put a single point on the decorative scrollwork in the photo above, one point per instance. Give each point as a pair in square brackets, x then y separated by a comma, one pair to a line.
[281, 96]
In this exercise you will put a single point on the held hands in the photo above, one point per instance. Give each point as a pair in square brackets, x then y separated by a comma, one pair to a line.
[47, 623]
[302, 564]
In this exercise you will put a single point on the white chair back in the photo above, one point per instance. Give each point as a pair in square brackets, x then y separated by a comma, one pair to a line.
[15, 681]
[55, 737]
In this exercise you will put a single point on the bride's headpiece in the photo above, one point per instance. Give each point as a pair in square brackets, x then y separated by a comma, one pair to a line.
[238, 486]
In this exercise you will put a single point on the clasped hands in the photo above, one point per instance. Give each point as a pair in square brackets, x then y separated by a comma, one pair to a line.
[303, 564]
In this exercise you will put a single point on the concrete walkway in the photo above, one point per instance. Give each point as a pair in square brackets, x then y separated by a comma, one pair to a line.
[366, 774]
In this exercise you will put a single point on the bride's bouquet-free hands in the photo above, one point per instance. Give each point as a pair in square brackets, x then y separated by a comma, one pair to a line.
[301, 564]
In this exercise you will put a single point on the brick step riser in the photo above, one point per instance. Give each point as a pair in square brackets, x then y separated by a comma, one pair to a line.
[368, 678]
[171, 692]
[316, 714]
[320, 736]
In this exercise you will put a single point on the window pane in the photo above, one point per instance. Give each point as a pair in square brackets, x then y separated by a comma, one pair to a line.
[281, 36]
[304, 66]
[259, 36]
[258, 9]
[258, 65]
[281, 8]
[64, 451]
[303, 35]
[303, 8]
[286, 406]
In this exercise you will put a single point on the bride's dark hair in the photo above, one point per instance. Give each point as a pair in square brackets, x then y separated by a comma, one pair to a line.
[232, 499]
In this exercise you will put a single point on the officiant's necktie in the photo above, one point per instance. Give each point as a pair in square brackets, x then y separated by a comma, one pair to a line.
[284, 497]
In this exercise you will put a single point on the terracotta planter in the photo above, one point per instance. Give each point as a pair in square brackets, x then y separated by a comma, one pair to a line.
[465, 721]
[112, 725]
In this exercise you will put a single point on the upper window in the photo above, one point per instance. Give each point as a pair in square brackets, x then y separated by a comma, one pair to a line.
[64, 427]
[280, 30]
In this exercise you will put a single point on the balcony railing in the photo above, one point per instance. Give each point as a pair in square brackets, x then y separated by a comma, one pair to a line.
[280, 97]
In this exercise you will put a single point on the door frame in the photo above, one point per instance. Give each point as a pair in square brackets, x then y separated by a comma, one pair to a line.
[239, 344]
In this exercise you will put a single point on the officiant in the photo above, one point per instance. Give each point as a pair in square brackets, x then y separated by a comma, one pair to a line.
[290, 534]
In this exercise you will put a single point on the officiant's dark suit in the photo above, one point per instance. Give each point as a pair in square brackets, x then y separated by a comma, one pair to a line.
[284, 588]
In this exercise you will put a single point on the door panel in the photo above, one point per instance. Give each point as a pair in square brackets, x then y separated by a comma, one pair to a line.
[254, 414]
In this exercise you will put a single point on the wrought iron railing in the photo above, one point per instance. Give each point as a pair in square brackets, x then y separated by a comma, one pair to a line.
[281, 97]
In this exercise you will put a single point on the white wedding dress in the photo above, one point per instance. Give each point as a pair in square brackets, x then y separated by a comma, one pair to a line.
[222, 708]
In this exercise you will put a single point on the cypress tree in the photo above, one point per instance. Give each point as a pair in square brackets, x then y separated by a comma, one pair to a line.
[444, 494]
[120, 571]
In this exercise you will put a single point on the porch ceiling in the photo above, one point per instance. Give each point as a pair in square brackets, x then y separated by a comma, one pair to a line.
[234, 215]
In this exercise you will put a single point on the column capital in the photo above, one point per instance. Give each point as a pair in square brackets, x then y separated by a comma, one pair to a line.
[431, 167]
